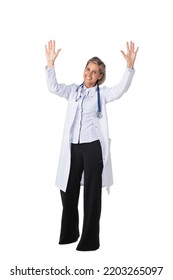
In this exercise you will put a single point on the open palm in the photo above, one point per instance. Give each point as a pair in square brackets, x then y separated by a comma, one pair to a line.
[130, 56]
[50, 52]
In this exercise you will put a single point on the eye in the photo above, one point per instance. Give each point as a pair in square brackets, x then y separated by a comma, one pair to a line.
[94, 72]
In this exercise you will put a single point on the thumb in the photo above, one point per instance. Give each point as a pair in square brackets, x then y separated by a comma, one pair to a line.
[57, 52]
[123, 53]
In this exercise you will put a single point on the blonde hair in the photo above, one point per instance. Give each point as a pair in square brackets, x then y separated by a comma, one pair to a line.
[102, 68]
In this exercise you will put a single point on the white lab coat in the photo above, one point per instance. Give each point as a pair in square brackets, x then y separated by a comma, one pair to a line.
[70, 92]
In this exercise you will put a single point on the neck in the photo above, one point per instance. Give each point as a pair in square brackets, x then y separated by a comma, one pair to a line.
[89, 86]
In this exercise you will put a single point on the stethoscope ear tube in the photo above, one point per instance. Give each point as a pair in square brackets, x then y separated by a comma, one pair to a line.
[77, 97]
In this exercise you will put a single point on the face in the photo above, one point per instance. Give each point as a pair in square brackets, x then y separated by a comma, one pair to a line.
[91, 75]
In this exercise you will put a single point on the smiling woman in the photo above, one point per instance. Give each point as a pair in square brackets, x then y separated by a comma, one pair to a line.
[85, 151]
[95, 72]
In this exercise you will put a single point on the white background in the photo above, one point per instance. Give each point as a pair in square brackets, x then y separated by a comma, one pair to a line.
[136, 221]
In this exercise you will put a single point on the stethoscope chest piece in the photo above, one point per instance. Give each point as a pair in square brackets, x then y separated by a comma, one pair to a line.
[99, 115]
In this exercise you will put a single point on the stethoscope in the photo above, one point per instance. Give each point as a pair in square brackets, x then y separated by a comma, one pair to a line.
[99, 113]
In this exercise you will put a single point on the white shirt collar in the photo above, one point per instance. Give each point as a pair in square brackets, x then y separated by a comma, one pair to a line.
[91, 91]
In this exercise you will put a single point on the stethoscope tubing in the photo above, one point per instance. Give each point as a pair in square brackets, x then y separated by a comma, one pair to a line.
[99, 113]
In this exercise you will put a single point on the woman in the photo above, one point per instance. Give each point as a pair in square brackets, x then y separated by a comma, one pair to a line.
[85, 150]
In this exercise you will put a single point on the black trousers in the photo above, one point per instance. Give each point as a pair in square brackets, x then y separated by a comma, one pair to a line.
[85, 157]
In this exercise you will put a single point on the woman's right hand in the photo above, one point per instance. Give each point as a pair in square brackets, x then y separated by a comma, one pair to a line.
[50, 52]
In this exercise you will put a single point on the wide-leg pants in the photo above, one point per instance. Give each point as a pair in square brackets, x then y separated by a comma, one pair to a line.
[85, 157]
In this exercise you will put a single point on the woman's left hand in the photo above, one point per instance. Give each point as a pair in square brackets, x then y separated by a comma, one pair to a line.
[130, 56]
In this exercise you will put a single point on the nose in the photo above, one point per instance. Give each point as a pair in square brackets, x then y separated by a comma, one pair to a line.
[89, 74]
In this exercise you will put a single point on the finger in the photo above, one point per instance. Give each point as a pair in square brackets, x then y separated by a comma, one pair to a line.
[57, 52]
[137, 50]
[127, 44]
[53, 45]
[50, 44]
[131, 46]
[123, 53]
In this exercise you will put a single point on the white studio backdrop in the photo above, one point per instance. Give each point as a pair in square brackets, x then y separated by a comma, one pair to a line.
[136, 221]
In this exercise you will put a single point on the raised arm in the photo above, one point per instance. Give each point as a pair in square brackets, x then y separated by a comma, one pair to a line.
[61, 90]
[118, 90]
[50, 52]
